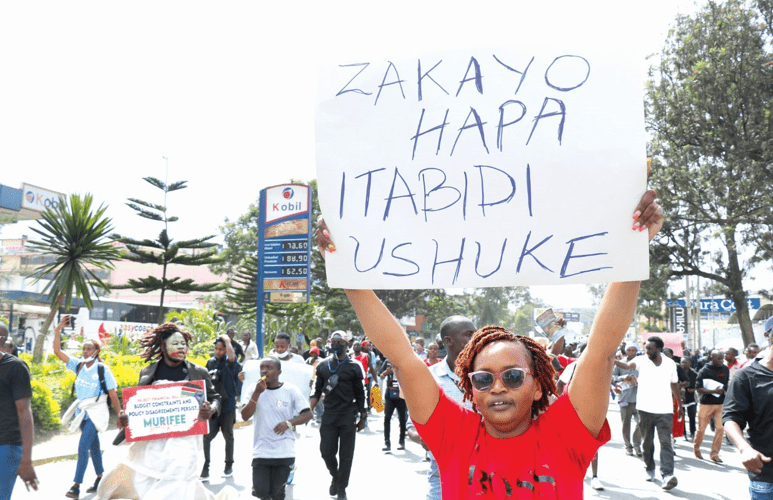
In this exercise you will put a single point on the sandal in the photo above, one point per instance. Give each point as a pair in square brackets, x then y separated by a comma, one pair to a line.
[74, 492]
[93, 488]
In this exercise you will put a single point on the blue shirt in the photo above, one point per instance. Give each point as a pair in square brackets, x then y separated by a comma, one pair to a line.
[87, 382]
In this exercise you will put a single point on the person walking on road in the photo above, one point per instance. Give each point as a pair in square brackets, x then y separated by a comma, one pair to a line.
[711, 384]
[16, 425]
[658, 385]
[224, 372]
[626, 399]
[341, 381]
[750, 402]
[276, 407]
[393, 402]
[94, 383]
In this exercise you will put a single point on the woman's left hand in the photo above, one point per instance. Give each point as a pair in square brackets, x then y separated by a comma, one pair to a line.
[648, 214]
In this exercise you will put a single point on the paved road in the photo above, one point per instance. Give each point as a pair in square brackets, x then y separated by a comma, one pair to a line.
[401, 475]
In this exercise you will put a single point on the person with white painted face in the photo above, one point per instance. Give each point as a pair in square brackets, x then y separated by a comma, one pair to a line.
[165, 468]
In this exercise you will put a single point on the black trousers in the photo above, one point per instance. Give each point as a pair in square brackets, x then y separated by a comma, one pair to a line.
[337, 433]
[390, 405]
[269, 477]
[225, 423]
[691, 418]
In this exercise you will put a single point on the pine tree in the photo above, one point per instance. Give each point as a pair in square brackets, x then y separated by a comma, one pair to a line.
[164, 251]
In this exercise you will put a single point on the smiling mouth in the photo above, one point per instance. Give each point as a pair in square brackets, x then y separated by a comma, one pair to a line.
[499, 404]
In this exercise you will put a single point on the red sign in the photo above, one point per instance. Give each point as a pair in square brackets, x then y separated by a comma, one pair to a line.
[672, 340]
[164, 410]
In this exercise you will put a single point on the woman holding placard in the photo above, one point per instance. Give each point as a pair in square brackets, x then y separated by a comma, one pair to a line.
[512, 443]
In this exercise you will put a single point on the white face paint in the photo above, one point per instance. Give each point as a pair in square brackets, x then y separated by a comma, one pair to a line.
[176, 346]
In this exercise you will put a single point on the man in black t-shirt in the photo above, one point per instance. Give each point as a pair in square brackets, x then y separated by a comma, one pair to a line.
[712, 398]
[688, 401]
[16, 427]
[750, 401]
[342, 382]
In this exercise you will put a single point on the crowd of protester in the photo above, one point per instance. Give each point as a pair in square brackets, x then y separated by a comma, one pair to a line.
[491, 390]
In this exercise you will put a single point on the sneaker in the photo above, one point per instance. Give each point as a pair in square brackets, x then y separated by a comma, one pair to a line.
[401, 446]
[93, 488]
[204, 474]
[228, 472]
[629, 452]
[387, 448]
[333, 488]
[596, 484]
[650, 475]
[669, 482]
[74, 492]
[638, 452]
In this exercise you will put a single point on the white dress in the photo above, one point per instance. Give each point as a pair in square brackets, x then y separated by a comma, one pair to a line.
[159, 470]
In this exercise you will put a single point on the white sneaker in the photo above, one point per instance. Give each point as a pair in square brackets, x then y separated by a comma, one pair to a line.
[669, 482]
[596, 484]
[650, 475]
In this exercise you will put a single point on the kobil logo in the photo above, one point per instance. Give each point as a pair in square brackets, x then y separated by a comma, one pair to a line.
[287, 193]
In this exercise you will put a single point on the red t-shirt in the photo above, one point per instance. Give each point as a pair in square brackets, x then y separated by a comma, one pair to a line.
[548, 461]
[565, 360]
[364, 359]
[430, 363]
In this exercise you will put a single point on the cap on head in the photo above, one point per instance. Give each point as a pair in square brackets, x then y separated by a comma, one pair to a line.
[769, 325]
[338, 335]
[314, 350]
[365, 343]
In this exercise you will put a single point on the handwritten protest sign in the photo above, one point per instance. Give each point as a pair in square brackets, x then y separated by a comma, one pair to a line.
[164, 410]
[482, 168]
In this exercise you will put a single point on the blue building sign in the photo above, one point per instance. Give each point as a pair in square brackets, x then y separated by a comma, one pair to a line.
[718, 305]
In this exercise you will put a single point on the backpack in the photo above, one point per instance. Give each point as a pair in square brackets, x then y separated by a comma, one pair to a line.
[101, 372]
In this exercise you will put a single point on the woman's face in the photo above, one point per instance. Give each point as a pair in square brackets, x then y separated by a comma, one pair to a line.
[89, 350]
[507, 412]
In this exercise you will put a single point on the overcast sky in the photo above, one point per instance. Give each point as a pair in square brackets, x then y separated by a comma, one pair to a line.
[95, 94]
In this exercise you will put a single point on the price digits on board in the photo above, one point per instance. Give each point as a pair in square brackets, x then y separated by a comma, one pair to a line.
[294, 257]
[295, 245]
[294, 271]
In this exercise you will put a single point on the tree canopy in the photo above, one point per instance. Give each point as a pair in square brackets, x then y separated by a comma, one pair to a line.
[709, 112]
[164, 251]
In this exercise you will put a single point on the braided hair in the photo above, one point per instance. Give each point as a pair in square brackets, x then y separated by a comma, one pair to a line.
[153, 338]
[542, 369]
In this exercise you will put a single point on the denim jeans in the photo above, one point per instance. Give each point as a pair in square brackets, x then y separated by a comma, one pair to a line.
[10, 457]
[760, 490]
[89, 443]
[433, 477]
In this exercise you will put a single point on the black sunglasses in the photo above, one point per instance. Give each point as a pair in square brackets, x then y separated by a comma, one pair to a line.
[512, 378]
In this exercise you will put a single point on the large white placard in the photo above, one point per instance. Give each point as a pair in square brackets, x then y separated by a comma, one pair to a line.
[482, 168]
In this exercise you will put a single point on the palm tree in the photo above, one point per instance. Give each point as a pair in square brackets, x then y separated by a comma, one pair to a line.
[77, 238]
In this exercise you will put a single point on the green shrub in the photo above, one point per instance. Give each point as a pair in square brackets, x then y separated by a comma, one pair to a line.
[45, 408]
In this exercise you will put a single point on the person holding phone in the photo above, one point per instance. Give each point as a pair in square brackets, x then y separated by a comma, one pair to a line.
[94, 383]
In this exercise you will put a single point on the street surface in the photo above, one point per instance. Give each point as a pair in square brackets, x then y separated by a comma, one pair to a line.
[401, 475]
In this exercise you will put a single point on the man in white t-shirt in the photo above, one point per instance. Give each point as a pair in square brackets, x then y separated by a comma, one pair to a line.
[274, 405]
[657, 382]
